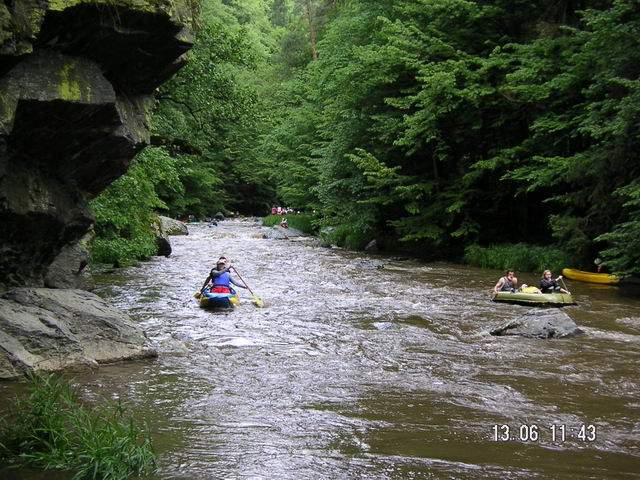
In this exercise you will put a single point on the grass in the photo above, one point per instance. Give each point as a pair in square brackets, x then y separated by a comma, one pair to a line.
[299, 221]
[520, 256]
[49, 428]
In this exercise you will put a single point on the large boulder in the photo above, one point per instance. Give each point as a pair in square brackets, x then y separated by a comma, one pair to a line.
[76, 85]
[55, 329]
[68, 268]
[279, 233]
[540, 323]
[169, 226]
[163, 245]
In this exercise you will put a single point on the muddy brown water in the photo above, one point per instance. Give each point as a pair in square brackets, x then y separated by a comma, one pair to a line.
[352, 371]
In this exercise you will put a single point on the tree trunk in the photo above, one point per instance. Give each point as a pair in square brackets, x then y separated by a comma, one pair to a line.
[313, 34]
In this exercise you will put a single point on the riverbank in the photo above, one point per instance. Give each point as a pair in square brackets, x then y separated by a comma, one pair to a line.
[521, 257]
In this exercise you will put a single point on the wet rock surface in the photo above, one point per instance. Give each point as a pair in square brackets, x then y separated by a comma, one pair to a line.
[68, 268]
[170, 226]
[540, 323]
[55, 329]
[279, 233]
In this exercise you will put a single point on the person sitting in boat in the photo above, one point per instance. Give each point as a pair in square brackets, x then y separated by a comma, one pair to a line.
[550, 285]
[284, 223]
[221, 279]
[508, 283]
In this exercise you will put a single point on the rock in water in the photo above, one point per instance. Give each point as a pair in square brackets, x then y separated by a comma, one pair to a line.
[67, 269]
[55, 329]
[279, 233]
[163, 246]
[372, 246]
[540, 323]
[163, 228]
[169, 226]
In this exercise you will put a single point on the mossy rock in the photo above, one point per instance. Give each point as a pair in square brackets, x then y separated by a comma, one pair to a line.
[182, 11]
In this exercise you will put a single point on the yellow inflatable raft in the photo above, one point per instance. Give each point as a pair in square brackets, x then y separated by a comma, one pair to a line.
[580, 276]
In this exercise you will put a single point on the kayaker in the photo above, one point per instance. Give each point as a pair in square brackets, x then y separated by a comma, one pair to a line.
[508, 283]
[221, 279]
[550, 285]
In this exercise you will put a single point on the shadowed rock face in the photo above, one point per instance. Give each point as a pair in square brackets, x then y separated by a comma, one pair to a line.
[76, 79]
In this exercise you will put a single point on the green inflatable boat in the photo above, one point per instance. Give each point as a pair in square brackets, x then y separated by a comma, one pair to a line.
[542, 299]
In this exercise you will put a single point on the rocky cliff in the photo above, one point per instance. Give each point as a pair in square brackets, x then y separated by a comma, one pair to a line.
[76, 85]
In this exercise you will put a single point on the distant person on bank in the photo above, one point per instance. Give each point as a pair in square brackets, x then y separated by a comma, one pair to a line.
[599, 267]
[550, 285]
[508, 283]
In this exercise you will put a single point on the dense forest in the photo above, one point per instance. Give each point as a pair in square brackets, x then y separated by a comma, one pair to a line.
[437, 127]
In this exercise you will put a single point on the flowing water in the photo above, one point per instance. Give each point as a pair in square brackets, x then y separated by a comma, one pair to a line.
[356, 371]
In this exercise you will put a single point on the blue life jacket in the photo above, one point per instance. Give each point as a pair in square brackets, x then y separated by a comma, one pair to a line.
[222, 280]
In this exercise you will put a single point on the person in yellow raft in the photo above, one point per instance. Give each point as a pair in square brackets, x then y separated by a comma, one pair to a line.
[508, 283]
[550, 285]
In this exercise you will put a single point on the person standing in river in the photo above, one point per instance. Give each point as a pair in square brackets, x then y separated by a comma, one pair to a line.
[508, 283]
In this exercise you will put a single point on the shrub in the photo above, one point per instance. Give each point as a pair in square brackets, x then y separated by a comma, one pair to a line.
[52, 430]
[519, 256]
[122, 252]
[126, 210]
[348, 236]
[299, 221]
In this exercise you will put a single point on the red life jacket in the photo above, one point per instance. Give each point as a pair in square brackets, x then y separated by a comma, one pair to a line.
[220, 289]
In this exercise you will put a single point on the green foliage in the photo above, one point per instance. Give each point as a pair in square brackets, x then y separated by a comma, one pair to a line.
[521, 257]
[125, 212]
[623, 254]
[444, 123]
[586, 139]
[349, 236]
[431, 125]
[210, 113]
[51, 429]
[299, 221]
[203, 160]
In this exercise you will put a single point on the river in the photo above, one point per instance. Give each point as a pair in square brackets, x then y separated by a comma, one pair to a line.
[353, 371]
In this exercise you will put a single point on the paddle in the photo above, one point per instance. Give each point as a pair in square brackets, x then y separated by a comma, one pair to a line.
[257, 301]
[564, 285]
